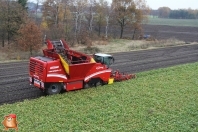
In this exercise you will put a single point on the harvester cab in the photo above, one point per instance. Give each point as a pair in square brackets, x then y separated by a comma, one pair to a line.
[109, 60]
[104, 59]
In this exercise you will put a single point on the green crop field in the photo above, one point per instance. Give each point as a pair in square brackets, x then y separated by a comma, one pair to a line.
[173, 22]
[156, 101]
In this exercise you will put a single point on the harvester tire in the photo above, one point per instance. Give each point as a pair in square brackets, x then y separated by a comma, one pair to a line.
[98, 83]
[86, 85]
[54, 88]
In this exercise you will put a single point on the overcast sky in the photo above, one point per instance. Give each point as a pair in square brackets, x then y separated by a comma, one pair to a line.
[173, 4]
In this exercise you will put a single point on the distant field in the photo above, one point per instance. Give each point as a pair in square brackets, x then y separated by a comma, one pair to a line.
[158, 100]
[173, 22]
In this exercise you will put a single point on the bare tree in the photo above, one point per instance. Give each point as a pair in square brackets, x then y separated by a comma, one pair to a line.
[123, 12]
[57, 20]
[100, 16]
[51, 12]
[129, 13]
[79, 10]
[140, 16]
[108, 15]
[92, 4]
[67, 19]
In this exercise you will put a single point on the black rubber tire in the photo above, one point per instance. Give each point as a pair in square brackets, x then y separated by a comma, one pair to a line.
[86, 85]
[98, 83]
[54, 88]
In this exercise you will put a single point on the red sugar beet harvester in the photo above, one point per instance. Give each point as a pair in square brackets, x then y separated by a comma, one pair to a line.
[61, 68]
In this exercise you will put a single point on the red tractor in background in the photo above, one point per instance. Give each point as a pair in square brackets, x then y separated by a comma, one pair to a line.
[64, 69]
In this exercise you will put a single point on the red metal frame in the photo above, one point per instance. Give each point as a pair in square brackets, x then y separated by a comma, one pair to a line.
[121, 76]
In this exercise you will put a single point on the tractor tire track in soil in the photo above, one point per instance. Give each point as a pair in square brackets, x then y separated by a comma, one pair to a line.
[13, 64]
[149, 60]
[14, 84]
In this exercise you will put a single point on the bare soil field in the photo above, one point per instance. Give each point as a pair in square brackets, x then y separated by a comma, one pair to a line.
[187, 34]
[14, 84]
[161, 32]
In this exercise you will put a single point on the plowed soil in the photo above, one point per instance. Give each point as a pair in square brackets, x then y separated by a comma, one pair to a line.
[14, 84]
[187, 34]
[164, 32]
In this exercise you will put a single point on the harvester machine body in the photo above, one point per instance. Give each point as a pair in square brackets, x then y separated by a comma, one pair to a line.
[61, 68]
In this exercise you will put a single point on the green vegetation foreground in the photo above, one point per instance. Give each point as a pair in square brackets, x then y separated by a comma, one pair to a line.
[158, 100]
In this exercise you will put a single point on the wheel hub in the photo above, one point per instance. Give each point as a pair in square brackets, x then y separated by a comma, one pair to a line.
[54, 88]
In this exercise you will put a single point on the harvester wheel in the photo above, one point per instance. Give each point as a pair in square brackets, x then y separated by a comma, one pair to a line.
[54, 88]
[98, 83]
[86, 85]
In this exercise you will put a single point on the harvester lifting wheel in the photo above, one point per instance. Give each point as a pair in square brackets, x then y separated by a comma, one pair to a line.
[54, 88]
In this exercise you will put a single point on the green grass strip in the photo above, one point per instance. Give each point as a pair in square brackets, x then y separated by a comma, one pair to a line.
[173, 22]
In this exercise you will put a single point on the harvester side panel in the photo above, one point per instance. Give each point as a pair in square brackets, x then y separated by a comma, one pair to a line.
[37, 69]
[80, 70]
[55, 72]
[74, 85]
[98, 71]
[104, 75]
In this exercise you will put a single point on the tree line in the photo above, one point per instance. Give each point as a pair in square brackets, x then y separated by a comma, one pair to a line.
[166, 12]
[17, 29]
[77, 21]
